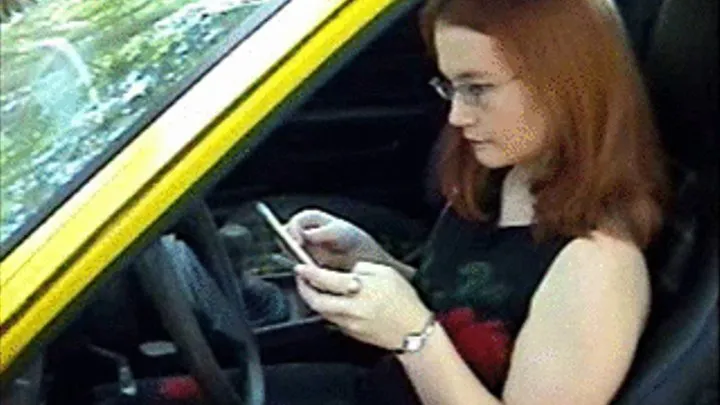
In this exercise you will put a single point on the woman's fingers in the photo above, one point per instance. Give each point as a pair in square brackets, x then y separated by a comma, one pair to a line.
[326, 235]
[294, 233]
[328, 280]
[326, 304]
[321, 256]
[317, 233]
[310, 219]
[327, 258]
[305, 220]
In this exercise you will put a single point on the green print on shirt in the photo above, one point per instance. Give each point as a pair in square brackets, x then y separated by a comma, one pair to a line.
[479, 286]
[475, 285]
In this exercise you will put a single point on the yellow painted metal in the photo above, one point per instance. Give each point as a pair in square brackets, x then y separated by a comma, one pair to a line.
[44, 262]
[42, 256]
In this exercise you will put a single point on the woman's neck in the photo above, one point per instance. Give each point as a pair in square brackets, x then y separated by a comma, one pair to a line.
[516, 201]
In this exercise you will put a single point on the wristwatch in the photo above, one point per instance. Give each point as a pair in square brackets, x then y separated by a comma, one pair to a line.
[414, 342]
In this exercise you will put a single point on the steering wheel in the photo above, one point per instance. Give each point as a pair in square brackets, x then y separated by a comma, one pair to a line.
[164, 287]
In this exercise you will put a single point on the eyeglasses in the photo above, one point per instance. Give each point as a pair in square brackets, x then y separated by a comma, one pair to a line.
[471, 94]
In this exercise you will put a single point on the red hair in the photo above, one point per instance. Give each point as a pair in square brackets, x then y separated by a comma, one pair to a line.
[604, 168]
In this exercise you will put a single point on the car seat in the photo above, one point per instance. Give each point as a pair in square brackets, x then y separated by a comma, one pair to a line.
[677, 359]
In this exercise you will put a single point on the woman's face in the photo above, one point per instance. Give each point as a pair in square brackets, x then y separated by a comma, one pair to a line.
[499, 117]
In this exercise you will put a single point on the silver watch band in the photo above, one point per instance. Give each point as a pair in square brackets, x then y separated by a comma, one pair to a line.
[414, 342]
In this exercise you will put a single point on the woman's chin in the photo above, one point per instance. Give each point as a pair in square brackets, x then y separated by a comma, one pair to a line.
[492, 159]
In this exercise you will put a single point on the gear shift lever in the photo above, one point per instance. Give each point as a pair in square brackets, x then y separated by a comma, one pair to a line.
[265, 302]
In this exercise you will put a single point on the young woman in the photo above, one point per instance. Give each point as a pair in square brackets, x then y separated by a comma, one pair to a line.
[534, 289]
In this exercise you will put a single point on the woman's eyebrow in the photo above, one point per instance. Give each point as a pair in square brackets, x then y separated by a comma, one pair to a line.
[471, 74]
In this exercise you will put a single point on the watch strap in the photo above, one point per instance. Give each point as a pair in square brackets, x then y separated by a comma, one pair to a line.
[414, 342]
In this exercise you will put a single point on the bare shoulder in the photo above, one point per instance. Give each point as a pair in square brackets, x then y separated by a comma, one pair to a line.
[601, 251]
[584, 323]
[600, 267]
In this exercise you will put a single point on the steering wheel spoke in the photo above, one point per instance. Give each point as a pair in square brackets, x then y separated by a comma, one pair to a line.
[174, 286]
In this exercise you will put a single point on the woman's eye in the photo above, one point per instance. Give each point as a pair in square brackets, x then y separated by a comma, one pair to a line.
[478, 89]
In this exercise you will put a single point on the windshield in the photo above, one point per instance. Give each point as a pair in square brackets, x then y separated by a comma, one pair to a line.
[81, 77]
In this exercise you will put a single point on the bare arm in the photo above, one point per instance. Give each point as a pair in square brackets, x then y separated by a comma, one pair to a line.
[576, 345]
[441, 377]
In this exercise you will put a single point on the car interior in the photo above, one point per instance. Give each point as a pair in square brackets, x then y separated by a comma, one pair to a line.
[361, 143]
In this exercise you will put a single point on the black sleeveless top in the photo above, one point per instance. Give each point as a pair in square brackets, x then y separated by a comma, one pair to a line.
[479, 279]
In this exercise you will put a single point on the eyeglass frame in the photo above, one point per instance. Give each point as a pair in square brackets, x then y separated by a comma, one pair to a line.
[471, 94]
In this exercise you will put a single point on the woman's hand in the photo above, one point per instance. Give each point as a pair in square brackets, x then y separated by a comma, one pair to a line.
[373, 303]
[334, 242]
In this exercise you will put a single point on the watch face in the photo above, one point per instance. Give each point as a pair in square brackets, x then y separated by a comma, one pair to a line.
[413, 343]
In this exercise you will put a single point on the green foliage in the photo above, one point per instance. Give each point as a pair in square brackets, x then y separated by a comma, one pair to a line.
[77, 73]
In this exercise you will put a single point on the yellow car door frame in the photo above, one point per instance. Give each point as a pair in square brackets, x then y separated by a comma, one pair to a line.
[175, 157]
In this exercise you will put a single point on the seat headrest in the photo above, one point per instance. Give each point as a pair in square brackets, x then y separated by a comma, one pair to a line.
[681, 70]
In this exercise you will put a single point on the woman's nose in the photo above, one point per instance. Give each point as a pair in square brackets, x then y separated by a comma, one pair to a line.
[461, 115]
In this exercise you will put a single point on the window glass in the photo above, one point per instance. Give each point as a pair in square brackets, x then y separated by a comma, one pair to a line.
[81, 77]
